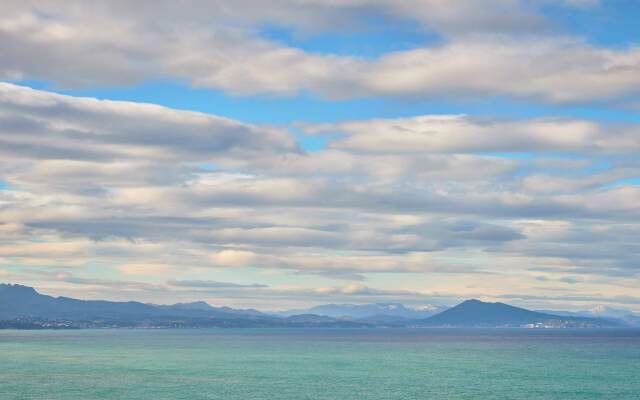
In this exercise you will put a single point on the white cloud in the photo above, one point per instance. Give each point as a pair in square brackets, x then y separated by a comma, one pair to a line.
[549, 69]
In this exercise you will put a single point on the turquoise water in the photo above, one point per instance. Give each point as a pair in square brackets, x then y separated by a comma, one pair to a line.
[335, 364]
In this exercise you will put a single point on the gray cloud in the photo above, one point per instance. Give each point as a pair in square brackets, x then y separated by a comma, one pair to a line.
[464, 134]
[43, 125]
[498, 48]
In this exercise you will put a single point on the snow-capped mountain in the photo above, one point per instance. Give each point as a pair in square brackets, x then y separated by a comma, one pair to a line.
[358, 311]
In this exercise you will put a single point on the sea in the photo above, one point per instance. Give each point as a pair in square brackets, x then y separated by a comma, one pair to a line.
[328, 364]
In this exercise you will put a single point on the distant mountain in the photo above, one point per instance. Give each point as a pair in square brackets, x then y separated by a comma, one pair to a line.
[204, 306]
[389, 321]
[312, 320]
[22, 307]
[364, 311]
[600, 311]
[631, 319]
[196, 305]
[25, 303]
[475, 313]
[18, 301]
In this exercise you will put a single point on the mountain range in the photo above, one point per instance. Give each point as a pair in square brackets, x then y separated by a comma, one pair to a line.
[601, 311]
[358, 311]
[23, 307]
[475, 313]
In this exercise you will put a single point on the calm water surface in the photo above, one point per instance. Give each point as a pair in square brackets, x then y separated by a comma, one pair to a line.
[338, 364]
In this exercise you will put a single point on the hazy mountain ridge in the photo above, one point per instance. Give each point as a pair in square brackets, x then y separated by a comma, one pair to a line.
[615, 314]
[206, 307]
[475, 313]
[22, 307]
[365, 311]
[22, 302]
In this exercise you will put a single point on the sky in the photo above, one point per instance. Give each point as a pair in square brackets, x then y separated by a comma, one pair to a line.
[299, 152]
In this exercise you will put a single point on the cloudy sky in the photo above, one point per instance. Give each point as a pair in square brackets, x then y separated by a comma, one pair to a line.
[310, 151]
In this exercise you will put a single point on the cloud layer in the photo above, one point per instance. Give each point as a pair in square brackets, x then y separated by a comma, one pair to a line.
[496, 48]
[133, 200]
[432, 204]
